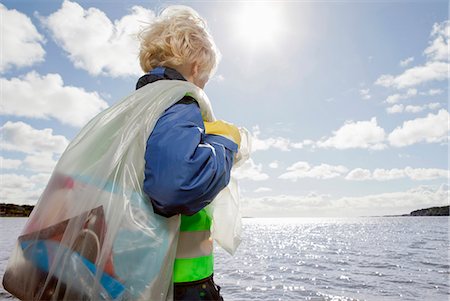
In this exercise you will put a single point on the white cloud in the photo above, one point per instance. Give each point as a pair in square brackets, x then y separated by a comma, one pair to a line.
[417, 109]
[311, 204]
[433, 92]
[40, 179]
[414, 109]
[431, 71]
[399, 108]
[251, 171]
[265, 144]
[359, 174]
[303, 144]
[263, 189]
[397, 97]
[9, 163]
[94, 42]
[19, 136]
[40, 162]
[433, 105]
[431, 129]
[46, 96]
[368, 134]
[314, 204]
[303, 169]
[396, 202]
[438, 48]
[308, 142]
[20, 189]
[395, 109]
[360, 134]
[279, 143]
[274, 164]
[393, 98]
[298, 145]
[380, 174]
[218, 78]
[435, 69]
[11, 181]
[21, 42]
[365, 93]
[406, 61]
[419, 174]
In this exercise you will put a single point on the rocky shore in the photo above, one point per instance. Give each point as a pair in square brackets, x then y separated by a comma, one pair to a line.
[433, 211]
[13, 210]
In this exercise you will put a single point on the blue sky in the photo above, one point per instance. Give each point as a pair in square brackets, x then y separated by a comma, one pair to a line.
[347, 102]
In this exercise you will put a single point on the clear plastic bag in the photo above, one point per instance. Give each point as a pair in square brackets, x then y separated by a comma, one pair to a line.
[93, 234]
[225, 209]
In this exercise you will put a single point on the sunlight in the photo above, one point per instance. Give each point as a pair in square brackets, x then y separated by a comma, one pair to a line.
[259, 25]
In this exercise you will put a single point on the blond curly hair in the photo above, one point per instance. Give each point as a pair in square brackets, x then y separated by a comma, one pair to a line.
[176, 37]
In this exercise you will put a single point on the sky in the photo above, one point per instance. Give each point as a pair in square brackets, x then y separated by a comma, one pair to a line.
[346, 101]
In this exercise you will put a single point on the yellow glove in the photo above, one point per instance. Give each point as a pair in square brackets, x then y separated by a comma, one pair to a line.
[224, 129]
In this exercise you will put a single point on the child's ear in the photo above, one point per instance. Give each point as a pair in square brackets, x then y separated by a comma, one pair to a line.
[194, 70]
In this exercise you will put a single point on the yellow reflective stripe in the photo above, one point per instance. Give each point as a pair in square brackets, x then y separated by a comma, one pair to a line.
[193, 269]
[194, 244]
[196, 222]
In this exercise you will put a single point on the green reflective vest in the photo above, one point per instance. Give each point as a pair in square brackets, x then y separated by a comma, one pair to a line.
[194, 259]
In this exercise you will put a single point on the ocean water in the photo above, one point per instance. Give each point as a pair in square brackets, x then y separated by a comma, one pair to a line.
[386, 258]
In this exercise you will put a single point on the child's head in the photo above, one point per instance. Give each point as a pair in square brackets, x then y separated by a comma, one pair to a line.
[178, 38]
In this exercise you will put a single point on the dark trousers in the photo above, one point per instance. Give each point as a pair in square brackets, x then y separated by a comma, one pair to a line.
[204, 289]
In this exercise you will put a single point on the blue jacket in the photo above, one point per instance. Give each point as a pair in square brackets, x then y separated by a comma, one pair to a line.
[184, 167]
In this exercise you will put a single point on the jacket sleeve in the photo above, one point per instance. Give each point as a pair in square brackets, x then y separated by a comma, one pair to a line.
[185, 168]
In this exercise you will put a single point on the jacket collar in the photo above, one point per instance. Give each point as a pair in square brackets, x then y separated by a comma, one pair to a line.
[157, 74]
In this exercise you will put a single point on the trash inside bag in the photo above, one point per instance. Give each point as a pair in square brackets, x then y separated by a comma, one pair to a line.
[93, 234]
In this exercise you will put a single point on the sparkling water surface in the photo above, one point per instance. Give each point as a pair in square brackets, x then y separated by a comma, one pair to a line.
[385, 258]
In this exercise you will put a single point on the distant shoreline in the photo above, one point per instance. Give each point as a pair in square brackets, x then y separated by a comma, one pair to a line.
[433, 211]
[13, 210]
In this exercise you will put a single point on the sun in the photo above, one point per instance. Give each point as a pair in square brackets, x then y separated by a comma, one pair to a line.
[259, 24]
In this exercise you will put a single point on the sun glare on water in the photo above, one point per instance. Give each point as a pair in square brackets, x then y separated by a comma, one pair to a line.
[259, 25]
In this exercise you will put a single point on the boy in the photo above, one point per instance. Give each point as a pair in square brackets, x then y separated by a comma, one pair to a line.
[188, 161]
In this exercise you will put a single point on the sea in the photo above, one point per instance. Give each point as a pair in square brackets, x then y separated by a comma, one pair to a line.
[367, 258]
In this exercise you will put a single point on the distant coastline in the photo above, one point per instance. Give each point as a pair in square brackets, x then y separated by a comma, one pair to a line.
[433, 211]
[13, 210]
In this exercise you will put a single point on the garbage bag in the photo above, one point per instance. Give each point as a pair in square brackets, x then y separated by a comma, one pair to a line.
[93, 234]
